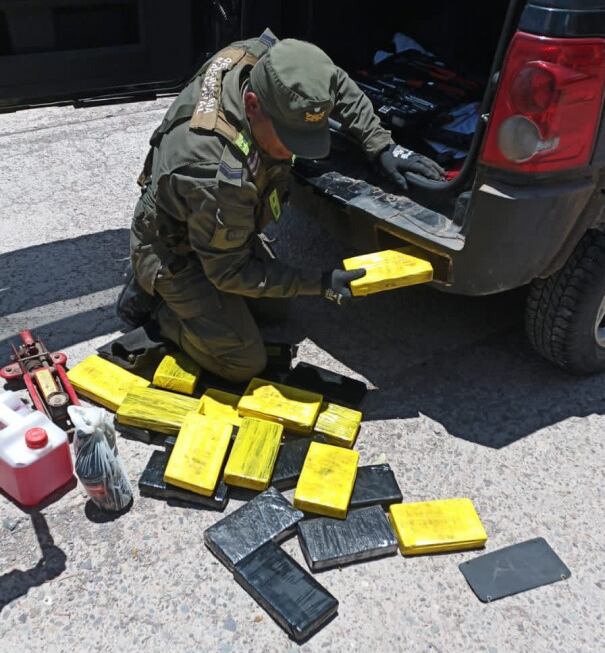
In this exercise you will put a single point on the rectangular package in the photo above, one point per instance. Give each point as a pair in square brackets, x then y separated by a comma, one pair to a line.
[220, 405]
[156, 410]
[365, 534]
[326, 480]
[177, 372]
[103, 382]
[513, 569]
[198, 455]
[375, 484]
[295, 409]
[289, 463]
[392, 268]
[331, 385]
[339, 424]
[291, 596]
[268, 516]
[437, 526]
[252, 458]
[152, 484]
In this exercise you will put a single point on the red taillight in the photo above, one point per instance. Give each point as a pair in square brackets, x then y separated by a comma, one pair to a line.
[548, 104]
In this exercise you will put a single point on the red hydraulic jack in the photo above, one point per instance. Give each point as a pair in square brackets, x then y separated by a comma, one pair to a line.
[44, 376]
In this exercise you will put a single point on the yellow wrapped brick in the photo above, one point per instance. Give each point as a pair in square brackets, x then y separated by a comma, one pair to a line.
[387, 270]
[326, 480]
[197, 458]
[295, 409]
[253, 455]
[437, 526]
[220, 405]
[156, 410]
[177, 372]
[103, 382]
[339, 424]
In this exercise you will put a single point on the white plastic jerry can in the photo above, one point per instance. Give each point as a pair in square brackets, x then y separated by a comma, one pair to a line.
[35, 459]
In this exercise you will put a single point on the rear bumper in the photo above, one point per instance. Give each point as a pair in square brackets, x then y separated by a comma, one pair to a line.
[506, 236]
[514, 234]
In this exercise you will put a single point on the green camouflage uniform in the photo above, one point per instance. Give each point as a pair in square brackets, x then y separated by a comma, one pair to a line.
[207, 194]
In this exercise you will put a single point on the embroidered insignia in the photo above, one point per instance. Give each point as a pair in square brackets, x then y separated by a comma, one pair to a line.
[315, 117]
[210, 86]
[243, 143]
[275, 205]
[229, 172]
[267, 39]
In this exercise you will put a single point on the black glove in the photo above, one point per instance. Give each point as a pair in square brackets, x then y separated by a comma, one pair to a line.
[396, 161]
[335, 284]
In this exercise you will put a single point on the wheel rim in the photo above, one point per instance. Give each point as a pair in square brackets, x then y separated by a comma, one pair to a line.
[600, 325]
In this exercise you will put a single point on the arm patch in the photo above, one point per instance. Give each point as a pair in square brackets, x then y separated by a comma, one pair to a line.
[230, 169]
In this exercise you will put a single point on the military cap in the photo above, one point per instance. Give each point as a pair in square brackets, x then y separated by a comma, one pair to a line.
[294, 83]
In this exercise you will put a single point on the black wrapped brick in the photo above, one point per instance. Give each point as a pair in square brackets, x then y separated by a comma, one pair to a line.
[289, 463]
[291, 596]
[365, 534]
[268, 516]
[152, 484]
[375, 484]
[332, 386]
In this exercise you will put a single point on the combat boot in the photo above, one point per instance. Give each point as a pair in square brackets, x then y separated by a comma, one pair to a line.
[135, 307]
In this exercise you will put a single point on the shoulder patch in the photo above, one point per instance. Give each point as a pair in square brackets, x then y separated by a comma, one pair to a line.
[230, 169]
[268, 38]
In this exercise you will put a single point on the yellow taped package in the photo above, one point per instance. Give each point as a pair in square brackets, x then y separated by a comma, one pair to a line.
[220, 405]
[326, 480]
[295, 409]
[253, 455]
[437, 526]
[103, 382]
[339, 424]
[387, 270]
[156, 410]
[199, 452]
[177, 372]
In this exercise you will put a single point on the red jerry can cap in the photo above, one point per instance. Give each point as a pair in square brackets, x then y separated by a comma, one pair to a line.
[36, 438]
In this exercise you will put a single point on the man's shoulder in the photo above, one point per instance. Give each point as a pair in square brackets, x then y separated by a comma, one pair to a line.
[184, 147]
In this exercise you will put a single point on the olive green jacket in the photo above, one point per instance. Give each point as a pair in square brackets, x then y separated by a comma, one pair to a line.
[207, 198]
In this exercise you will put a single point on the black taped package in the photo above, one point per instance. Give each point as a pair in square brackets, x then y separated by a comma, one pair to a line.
[269, 516]
[291, 596]
[365, 534]
[139, 435]
[289, 463]
[152, 484]
[375, 484]
[332, 386]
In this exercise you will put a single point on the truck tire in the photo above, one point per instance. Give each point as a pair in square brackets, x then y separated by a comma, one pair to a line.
[565, 313]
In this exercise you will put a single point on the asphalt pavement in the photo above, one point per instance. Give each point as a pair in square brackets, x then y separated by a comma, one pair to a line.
[459, 406]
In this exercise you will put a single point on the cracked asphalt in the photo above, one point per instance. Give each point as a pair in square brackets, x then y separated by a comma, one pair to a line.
[460, 406]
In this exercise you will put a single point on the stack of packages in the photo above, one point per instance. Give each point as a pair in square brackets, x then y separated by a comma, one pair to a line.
[276, 436]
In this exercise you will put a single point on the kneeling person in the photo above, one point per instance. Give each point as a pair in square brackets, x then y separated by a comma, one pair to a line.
[217, 173]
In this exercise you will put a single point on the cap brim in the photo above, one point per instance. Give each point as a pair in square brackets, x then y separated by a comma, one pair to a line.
[308, 143]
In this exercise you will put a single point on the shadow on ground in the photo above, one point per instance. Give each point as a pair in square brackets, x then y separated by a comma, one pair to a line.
[463, 362]
[17, 583]
[45, 276]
